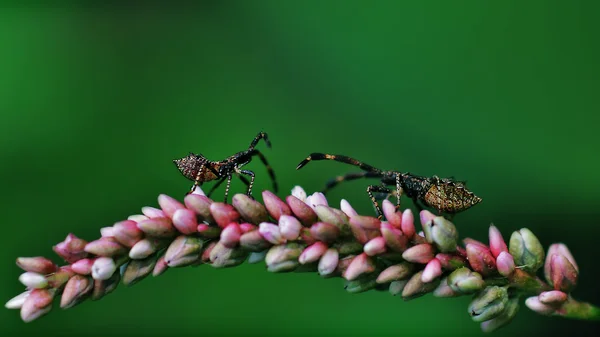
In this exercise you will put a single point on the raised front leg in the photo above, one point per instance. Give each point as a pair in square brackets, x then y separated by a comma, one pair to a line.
[376, 188]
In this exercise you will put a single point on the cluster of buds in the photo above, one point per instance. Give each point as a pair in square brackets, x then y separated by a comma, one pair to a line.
[303, 234]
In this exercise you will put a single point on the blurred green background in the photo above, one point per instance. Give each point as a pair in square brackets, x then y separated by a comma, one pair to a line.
[96, 101]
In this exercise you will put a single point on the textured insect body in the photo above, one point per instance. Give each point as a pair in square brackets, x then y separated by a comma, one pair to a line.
[199, 169]
[444, 194]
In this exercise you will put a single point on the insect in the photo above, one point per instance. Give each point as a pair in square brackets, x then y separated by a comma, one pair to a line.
[198, 168]
[444, 194]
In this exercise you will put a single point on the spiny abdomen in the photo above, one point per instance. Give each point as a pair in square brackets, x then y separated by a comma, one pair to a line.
[450, 197]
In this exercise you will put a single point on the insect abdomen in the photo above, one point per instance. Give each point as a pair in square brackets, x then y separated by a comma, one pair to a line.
[450, 198]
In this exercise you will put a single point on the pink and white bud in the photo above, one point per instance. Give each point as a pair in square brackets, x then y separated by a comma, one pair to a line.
[394, 238]
[451, 261]
[536, 305]
[152, 212]
[421, 253]
[361, 264]
[432, 271]
[396, 272]
[127, 232]
[289, 227]
[71, 249]
[198, 191]
[160, 267]
[37, 304]
[375, 246]
[425, 216]
[17, 301]
[83, 266]
[200, 204]
[316, 199]
[299, 193]
[209, 232]
[560, 249]
[497, 244]
[505, 264]
[444, 290]
[408, 223]
[275, 206]
[312, 253]
[247, 227]
[158, 227]
[562, 273]
[230, 236]
[328, 262]
[60, 277]
[103, 268]
[183, 251]
[37, 264]
[33, 280]
[137, 217]
[481, 259]
[332, 216]
[324, 231]
[184, 220]
[169, 205]
[224, 214]
[145, 248]
[301, 210]
[77, 289]
[347, 208]
[105, 246]
[391, 214]
[271, 233]
[554, 297]
[254, 241]
[106, 231]
[249, 209]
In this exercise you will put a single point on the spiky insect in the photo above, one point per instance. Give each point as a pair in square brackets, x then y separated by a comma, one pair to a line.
[444, 194]
[198, 168]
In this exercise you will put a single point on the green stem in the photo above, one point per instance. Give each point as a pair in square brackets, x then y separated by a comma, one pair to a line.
[579, 310]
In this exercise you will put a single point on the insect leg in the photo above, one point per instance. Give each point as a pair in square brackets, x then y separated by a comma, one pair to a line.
[259, 136]
[227, 188]
[376, 188]
[348, 177]
[269, 168]
[197, 179]
[340, 158]
[215, 186]
[251, 174]
[398, 191]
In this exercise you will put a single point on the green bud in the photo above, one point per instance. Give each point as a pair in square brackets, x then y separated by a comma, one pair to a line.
[488, 304]
[510, 311]
[465, 281]
[360, 285]
[417, 288]
[526, 250]
[444, 234]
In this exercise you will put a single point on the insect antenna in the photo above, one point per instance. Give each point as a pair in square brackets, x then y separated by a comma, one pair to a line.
[340, 158]
[348, 177]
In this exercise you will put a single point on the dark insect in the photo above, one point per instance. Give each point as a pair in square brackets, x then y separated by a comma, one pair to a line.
[199, 169]
[444, 194]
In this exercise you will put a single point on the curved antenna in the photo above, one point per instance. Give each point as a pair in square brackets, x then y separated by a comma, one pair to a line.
[340, 158]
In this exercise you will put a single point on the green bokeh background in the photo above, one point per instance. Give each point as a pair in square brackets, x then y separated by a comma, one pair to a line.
[96, 101]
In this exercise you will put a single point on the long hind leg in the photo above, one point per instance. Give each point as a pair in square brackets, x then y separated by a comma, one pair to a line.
[269, 168]
[348, 177]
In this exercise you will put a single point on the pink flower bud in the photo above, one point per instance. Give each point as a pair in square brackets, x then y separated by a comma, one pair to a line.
[37, 264]
[562, 273]
[408, 223]
[444, 290]
[198, 191]
[275, 206]
[160, 267]
[432, 270]
[359, 233]
[254, 241]
[426, 216]
[366, 222]
[71, 249]
[332, 216]
[505, 264]
[375, 246]
[157, 227]
[247, 227]
[184, 220]
[106, 246]
[301, 210]
[553, 297]
[560, 249]
[249, 209]
[33, 280]
[127, 233]
[390, 213]
[83, 266]
[289, 227]
[324, 231]
[201, 206]
[145, 248]
[451, 261]
[312, 253]
[329, 262]
[209, 232]
[394, 238]
[361, 264]
[481, 259]
[271, 233]
[298, 192]
[347, 208]
[137, 270]
[169, 205]
[205, 257]
[17, 301]
[183, 251]
[230, 236]
[37, 304]
[316, 199]
[416, 288]
[224, 214]
[223, 257]
[137, 217]
[60, 277]
[103, 268]
[77, 289]
[421, 253]
[152, 212]
[536, 305]
[497, 244]
[395, 272]
[106, 231]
